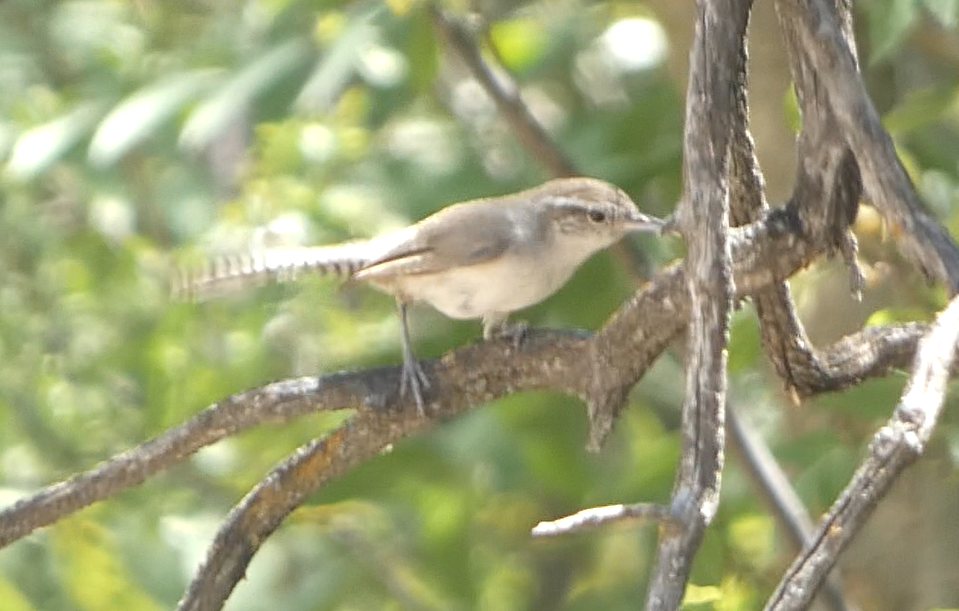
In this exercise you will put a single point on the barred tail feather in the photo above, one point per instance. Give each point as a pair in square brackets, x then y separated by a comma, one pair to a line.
[230, 274]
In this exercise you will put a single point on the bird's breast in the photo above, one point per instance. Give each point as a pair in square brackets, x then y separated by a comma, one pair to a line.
[504, 285]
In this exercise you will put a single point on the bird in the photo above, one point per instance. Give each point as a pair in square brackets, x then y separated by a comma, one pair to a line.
[481, 259]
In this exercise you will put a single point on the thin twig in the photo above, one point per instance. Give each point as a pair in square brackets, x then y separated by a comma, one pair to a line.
[774, 489]
[505, 93]
[600, 516]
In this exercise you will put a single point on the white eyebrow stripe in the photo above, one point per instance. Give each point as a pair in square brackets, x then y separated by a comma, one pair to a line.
[564, 201]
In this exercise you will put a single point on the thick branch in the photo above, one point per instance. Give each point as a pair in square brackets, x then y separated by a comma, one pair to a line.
[255, 518]
[703, 218]
[275, 403]
[783, 337]
[827, 195]
[826, 192]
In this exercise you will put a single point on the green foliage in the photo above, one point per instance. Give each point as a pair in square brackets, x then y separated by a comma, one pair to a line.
[136, 134]
[891, 21]
[94, 577]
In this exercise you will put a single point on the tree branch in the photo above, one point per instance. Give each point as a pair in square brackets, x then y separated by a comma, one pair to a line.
[271, 404]
[827, 195]
[599, 516]
[773, 487]
[703, 218]
[821, 30]
[893, 448]
[600, 368]
[505, 93]
[284, 489]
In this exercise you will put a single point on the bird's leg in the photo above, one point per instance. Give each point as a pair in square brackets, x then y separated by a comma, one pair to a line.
[495, 326]
[413, 378]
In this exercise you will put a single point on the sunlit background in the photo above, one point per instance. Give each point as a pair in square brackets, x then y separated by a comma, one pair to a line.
[137, 134]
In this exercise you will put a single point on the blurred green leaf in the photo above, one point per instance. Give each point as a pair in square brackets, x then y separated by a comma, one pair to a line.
[13, 599]
[141, 114]
[946, 12]
[93, 573]
[232, 99]
[423, 51]
[745, 347]
[890, 21]
[697, 596]
[888, 316]
[337, 65]
[39, 148]
[509, 585]
[736, 596]
[519, 42]
[754, 539]
[919, 109]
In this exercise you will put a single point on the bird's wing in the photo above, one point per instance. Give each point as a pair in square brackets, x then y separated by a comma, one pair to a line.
[460, 236]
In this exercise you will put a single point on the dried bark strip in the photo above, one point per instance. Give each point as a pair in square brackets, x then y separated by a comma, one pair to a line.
[820, 33]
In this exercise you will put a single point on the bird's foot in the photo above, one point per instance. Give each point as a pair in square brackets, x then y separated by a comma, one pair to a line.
[413, 379]
[515, 333]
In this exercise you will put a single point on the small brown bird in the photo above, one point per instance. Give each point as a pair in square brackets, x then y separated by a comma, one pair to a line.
[479, 259]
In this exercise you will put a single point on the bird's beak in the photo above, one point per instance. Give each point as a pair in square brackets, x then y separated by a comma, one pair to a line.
[642, 222]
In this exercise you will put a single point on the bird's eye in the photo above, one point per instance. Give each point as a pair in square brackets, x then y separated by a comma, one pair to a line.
[596, 215]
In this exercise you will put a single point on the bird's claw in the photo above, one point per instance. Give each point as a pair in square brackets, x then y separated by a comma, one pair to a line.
[516, 333]
[413, 379]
